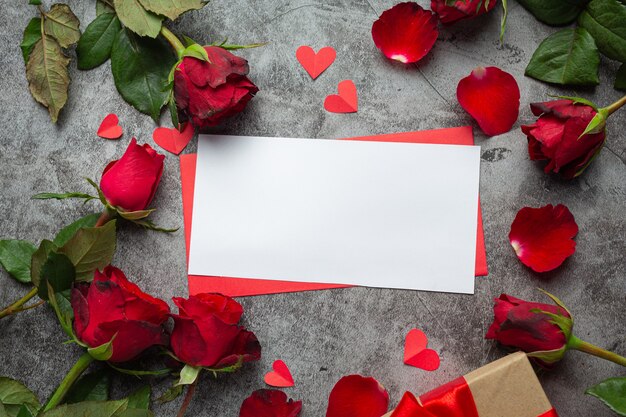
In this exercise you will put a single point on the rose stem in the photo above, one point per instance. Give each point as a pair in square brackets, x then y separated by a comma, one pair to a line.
[615, 106]
[17, 306]
[79, 367]
[104, 217]
[188, 397]
[576, 343]
[173, 40]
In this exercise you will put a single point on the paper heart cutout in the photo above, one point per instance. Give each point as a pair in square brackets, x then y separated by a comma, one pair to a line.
[280, 376]
[344, 102]
[109, 128]
[171, 139]
[416, 354]
[315, 63]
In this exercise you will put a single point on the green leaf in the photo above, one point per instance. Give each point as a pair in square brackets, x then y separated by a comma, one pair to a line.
[32, 34]
[140, 399]
[140, 68]
[59, 272]
[91, 248]
[15, 257]
[620, 78]
[34, 2]
[567, 57]
[604, 19]
[171, 394]
[63, 315]
[94, 46]
[62, 196]
[47, 75]
[67, 232]
[554, 12]
[612, 393]
[188, 375]
[104, 351]
[39, 258]
[137, 19]
[88, 409]
[62, 24]
[90, 387]
[102, 7]
[14, 395]
[23, 412]
[172, 8]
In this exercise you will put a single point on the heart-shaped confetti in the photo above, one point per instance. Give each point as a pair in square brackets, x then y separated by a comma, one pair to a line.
[315, 63]
[171, 139]
[344, 102]
[416, 354]
[280, 376]
[109, 128]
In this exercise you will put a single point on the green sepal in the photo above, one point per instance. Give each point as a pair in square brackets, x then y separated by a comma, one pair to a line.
[549, 356]
[65, 319]
[228, 369]
[195, 51]
[188, 41]
[104, 351]
[101, 196]
[597, 124]
[63, 196]
[140, 373]
[188, 375]
[171, 105]
[577, 100]
[135, 215]
[147, 224]
[171, 394]
[232, 47]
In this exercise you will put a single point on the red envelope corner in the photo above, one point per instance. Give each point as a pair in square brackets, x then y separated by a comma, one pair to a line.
[239, 287]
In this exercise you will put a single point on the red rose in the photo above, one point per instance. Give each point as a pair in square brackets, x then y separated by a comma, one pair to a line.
[113, 306]
[269, 403]
[525, 326]
[461, 9]
[555, 137]
[130, 182]
[206, 332]
[207, 92]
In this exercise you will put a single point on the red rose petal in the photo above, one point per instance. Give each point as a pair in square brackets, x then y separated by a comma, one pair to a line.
[461, 9]
[542, 237]
[491, 97]
[357, 396]
[269, 403]
[406, 32]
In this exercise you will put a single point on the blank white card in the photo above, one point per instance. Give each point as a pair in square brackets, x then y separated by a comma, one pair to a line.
[379, 214]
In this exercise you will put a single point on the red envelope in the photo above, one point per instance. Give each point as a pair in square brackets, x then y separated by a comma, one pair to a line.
[239, 287]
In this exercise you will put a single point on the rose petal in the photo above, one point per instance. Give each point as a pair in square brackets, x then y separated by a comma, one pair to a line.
[406, 32]
[269, 403]
[491, 97]
[542, 237]
[461, 9]
[201, 305]
[357, 396]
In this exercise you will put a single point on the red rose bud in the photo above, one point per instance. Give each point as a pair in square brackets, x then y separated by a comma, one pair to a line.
[209, 91]
[556, 136]
[130, 182]
[206, 333]
[114, 308]
[544, 331]
[270, 403]
[461, 9]
[406, 32]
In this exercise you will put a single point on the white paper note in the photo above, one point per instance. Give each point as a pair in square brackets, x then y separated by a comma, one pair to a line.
[379, 214]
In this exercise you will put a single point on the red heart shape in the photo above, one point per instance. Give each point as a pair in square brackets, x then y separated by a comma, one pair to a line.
[280, 376]
[109, 128]
[171, 139]
[315, 63]
[344, 102]
[416, 354]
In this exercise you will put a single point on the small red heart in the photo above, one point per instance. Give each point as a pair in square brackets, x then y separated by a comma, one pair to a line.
[280, 376]
[171, 139]
[416, 354]
[313, 63]
[344, 102]
[109, 128]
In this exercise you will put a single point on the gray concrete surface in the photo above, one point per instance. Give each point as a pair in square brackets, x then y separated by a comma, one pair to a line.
[323, 335]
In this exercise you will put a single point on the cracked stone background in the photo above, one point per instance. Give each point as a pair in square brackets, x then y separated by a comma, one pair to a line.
[324, 335]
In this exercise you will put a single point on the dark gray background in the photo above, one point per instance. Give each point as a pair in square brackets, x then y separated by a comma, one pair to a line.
[323, 335]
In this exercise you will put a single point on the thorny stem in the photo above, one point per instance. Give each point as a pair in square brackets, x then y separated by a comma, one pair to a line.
[18, 306]
[188, 397]
[615, 106]
[576, 343]
[173, 40]
[76, 371]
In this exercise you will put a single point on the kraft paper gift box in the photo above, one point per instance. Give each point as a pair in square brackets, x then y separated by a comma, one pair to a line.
[507, 387]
